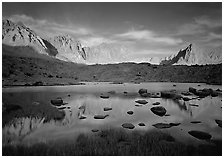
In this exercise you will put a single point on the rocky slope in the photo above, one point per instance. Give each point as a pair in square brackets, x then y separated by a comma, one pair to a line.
[66, 48]
[193, 55]
[19, 35]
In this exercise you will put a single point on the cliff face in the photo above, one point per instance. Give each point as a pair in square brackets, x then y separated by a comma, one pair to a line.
[69, 49]
[193, 55]
[19, 35]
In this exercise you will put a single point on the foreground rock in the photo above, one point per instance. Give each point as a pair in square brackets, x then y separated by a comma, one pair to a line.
[130, 112]
[142, 91]
[141, 101]
[170, 95]
[159, 110]
[165, 125]
[195, 122]
[141, 124]
[200, 135]
[100, 116]
[104, 96]
[156, 103]
[57, 102]
[128, 126]
[219, 122]
[203, 92]
[107, 109]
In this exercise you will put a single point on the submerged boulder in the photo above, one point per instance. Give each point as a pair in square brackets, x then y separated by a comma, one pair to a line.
[156, 103]
[141, 101]
[130, 112]
[107, 109]
[170, 95]
[142, 91]
[200, 135]
[57, 102]
[192, 90]
[100, 116]
[104, 96]
[186, 98]
[159, 110]
[128, 126]
[141, 124]
[165, 125]
[94, 130]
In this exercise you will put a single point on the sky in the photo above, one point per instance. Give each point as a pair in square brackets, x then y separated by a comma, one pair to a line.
[147, 29]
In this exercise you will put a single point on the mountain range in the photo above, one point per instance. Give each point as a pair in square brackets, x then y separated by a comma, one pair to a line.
[66, 48]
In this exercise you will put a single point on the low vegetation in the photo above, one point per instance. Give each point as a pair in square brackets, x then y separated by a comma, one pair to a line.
[117, 142]
[26, 71]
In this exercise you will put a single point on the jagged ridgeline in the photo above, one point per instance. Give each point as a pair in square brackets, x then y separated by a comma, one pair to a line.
[66, 48]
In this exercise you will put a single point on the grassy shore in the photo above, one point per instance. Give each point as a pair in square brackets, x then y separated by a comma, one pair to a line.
[116, 142]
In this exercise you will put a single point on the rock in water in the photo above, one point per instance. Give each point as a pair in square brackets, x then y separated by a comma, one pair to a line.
[141, 101]
[186, 99]
[192, 90]
[219, 122]
[107, 109]
[200, 135]
[57, 102]
[195, 122]
[156, 103]
[141, 91]
[141, 124]
[95, 130]
[128, 126]
[104, 96]
[159, 110]
[100, 116]
[130, 112]
[165, 125]
[162, 125]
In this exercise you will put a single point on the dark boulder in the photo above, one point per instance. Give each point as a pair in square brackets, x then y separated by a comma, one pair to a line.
[100, 116]
[128, 126]
[165, 125]
[141, 101]
[141, 91]
[145, 95]
[195, 122]
[107, 109]
[57, 102]
[170, 95]
[186, 93]
[192, 90]
[159, 110]
[186, 98]
[130, 112]
[104, 96]
[62, 108]
[141, 124]
[156, 103]
[200, 135]
[94, 130]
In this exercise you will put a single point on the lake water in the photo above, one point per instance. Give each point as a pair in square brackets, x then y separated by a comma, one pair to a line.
[88, 96]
